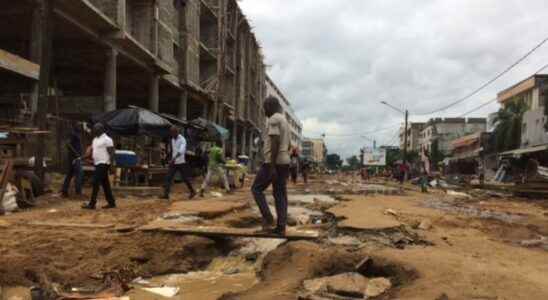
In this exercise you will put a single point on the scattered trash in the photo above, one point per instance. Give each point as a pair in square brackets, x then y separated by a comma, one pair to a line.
[51, 211]
[391, 212]
[141, 281]
[542, 240]
[458, 194]
[216, 194]
[425, 224]
[165, 291]
[364, 266]
[377, 287]
[9, 202]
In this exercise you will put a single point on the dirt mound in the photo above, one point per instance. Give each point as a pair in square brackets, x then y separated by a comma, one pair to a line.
[82, 258]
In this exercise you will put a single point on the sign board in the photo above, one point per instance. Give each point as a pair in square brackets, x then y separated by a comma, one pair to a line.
[374, 157]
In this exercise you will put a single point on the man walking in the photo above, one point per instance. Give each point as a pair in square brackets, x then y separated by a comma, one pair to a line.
[103, 157]
[215, 166]
[275, 169]
[74, 170]
[178, 163]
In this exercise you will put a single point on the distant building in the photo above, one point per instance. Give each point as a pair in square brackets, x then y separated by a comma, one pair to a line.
[534, 92]
[413, 136]
[314, 150]
[443, 131]
[294, 123]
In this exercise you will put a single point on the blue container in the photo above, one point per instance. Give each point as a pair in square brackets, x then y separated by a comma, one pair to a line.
[125, 158]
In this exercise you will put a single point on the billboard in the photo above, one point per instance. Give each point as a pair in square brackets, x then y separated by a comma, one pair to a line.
[374, 157]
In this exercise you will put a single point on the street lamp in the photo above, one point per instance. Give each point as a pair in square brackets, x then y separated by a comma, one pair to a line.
[406, 113]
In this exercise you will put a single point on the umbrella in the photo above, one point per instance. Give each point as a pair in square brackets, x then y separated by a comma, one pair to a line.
[213, 131]
[134, 121]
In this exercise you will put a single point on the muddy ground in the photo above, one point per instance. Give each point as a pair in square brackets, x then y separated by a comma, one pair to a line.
[430, 246]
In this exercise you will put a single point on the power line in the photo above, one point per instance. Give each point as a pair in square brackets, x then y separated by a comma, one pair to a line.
[355, 134]
[512, 66]
[479, 107]
[541, 69]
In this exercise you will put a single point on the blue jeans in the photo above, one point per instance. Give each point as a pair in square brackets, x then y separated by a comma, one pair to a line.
[74, 171]
[279, 190]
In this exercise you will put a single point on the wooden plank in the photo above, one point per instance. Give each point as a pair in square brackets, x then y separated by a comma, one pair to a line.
[214, 231]
[73, 225]
[19, 65]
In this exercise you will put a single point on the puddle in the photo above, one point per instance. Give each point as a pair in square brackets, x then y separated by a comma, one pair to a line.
[15, 293]
[233, 273]
[204, 285]
[474, 212]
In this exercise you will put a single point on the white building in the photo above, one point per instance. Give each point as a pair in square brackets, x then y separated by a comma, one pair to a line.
[443, 131]
[294, 123]
[533, 91]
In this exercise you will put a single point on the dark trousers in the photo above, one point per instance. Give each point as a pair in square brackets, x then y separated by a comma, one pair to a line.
[100, 178]
[294, 172]
[183, 169]
[75, 171]
[305, 175]
[279, 186]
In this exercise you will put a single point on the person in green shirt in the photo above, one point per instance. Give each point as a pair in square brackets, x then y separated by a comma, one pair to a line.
[215, 166]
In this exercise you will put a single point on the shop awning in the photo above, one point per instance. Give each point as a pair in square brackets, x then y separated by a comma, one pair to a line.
[519, 152]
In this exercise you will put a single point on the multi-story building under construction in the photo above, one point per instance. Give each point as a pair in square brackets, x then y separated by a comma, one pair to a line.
[189, 58]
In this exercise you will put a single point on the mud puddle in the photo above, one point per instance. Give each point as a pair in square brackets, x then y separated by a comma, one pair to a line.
[474, 212]
[233, 273]
[204, 285]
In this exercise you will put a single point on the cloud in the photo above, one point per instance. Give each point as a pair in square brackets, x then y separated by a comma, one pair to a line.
[336, 60]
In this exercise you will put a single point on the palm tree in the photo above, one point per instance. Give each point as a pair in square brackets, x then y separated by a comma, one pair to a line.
[508, 125]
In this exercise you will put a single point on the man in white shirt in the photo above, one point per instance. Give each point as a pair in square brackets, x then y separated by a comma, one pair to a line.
[178, 163]
[103, 157]
[275, 169]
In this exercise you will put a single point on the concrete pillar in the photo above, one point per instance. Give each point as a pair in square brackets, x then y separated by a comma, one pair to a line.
[154, 93]
[205, 112]
[183, 105]
[35, 55]
[244, 141]
[110, 80]
[235, 138]
[122, 14]
[155, 29]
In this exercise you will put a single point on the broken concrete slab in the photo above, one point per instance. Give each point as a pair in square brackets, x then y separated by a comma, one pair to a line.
[377, 287]
[363, 214]
[346, 285]
[206, 208]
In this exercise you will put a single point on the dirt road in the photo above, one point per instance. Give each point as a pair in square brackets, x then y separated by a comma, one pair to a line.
[428, 245]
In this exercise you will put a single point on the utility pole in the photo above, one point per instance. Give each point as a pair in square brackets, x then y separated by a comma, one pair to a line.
[405, 137]
[46, 15]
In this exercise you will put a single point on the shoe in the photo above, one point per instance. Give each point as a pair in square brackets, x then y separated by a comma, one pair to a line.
[165, 197]
[279, 231]
[266, 228]
[87, 206]
[64, 196]
[202, 193]
[192, 195]
[109, 206]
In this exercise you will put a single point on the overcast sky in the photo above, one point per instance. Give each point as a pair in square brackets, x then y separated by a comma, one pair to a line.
[335, 60]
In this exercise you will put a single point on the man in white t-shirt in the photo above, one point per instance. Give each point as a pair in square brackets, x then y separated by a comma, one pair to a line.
[178, 163]
[103, 157]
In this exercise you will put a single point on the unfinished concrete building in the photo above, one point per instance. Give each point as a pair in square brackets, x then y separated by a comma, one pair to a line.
[189, 58]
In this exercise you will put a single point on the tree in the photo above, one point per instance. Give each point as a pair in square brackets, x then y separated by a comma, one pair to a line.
[436, 156]
[508, 125]
[353, 163]
[333, 161]
[393, 155]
